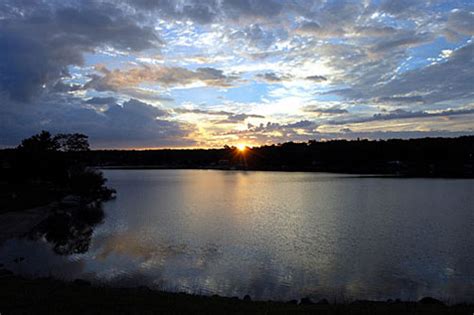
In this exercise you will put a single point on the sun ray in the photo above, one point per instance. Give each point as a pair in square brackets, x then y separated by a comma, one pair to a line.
[241, 147]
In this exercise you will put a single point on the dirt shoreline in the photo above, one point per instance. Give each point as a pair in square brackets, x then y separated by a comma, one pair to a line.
[15, 224]
[19, 295]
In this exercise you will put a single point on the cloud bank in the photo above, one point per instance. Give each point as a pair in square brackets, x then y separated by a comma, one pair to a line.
[186, 73]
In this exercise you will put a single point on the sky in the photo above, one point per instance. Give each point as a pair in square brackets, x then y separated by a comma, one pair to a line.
[205, 73]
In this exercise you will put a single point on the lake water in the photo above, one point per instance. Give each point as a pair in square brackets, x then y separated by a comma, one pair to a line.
[272, 235]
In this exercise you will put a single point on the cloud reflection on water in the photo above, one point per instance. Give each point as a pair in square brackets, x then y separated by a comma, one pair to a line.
[275, 235]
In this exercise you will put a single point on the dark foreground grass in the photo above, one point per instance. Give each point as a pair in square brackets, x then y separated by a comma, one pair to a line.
[48, 296]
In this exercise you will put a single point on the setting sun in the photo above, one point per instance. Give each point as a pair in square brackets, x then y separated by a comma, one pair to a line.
[241, 147]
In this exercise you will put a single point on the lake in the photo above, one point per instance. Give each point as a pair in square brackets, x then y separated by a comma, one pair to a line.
[272, 235]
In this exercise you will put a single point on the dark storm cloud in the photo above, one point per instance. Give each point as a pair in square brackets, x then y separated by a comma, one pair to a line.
[36, 48]
[60, 87]
[132, 124]
[101, 100]
[139, 110]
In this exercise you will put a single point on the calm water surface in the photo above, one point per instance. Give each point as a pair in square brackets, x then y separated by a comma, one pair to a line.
[273, 236]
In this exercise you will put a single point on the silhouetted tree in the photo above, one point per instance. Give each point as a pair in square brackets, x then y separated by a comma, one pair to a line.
[451, 157]
[45, 168]
[72, 142]
[42, 142]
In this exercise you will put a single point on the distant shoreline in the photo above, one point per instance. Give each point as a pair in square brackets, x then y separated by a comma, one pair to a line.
[349, 174]
[417, 158]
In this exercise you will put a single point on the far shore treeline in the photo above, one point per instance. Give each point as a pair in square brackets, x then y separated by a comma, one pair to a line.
[425, 157]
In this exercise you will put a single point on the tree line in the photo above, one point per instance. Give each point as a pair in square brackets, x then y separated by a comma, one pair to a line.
[431, 157]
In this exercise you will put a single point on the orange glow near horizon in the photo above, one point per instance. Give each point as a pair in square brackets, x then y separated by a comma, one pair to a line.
[241, 147]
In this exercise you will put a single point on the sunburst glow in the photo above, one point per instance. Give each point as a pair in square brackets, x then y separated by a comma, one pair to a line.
[241, 147]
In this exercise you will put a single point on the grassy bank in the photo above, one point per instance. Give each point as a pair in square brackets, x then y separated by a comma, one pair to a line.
[48, 296]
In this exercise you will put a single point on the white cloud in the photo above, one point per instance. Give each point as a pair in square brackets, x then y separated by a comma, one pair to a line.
[246, 58]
